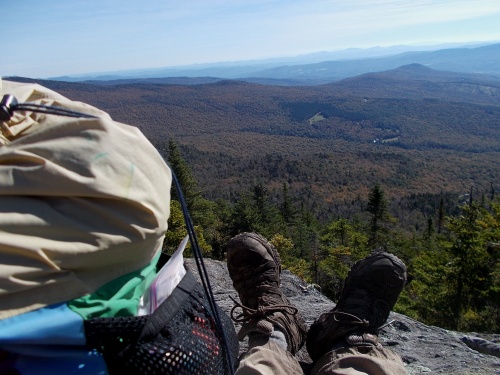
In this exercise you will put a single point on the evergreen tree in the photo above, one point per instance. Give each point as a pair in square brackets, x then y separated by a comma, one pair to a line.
[221, 231]
[201, 210]
[253, 212]
[457, 284]
[285, 248]
[243, 217]
[440, 215]
[184, 175]
[287, 210]
[269, 220]
[177, 231]
[430, 227]
[306, 232]
[341, 245]
[470, 262]
[261, 205]
[377, 207]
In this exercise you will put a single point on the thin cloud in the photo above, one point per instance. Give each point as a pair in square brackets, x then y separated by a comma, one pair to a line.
[91, 35]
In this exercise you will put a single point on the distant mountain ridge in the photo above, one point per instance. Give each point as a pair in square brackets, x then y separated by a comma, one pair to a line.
[484, 60]
[332, 67]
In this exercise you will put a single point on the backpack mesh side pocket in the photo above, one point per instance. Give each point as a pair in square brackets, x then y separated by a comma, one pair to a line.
[180, 337]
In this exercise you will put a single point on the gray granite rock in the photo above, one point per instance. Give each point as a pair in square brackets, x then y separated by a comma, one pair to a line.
[424, 349]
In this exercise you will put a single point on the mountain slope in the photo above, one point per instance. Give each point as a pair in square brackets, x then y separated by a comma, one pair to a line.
[415, 81]
[412, 129]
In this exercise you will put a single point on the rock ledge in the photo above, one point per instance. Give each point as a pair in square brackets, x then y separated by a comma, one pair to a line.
[424, 349]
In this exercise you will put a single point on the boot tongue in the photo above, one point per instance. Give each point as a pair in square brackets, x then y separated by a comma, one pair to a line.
[358, 303]
[362, 305]
[256, 326]
[263, 295]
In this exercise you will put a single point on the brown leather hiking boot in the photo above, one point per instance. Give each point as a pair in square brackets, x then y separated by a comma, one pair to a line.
[254, 266]
[370, 292]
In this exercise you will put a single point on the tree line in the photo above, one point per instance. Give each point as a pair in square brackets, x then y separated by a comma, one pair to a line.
[453, 262]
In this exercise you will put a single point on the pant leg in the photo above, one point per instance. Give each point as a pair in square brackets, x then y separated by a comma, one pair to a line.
[360, 361]
[268, 359]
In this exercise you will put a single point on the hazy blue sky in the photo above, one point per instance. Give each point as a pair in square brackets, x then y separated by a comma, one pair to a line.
[57, 37]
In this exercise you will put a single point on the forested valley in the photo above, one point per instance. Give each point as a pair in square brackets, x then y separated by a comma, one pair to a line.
[406, 160]
[453, 259]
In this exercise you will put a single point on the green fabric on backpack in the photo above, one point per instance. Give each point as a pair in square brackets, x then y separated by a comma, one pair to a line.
[119, 297]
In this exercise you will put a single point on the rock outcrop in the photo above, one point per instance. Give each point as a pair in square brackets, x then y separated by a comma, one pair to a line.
[424, 349]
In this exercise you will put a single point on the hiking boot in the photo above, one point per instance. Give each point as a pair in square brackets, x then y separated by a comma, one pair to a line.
[370, 292]
[254, 266]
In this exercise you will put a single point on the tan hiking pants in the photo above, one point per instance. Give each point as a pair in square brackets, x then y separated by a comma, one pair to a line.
[272, 359]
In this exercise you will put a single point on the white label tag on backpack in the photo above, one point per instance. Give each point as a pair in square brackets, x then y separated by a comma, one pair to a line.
[165, 282]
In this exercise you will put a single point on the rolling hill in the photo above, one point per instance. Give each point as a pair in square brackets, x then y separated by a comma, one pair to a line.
[413, 129]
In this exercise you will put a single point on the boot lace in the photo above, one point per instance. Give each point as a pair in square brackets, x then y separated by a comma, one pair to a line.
[248, 313]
